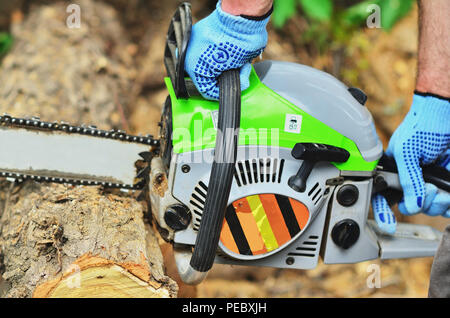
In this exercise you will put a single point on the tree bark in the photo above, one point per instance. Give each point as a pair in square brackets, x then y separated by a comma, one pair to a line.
[65, 241]
[60, 241]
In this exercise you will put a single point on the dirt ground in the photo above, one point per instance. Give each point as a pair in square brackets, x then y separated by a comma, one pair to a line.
[382, 64]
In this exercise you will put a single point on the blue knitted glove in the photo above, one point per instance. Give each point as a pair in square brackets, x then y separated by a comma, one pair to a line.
[383, 215]
[437, 202]
[422, 138]
[222, 42]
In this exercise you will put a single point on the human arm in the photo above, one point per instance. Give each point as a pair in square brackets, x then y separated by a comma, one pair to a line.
[424, 134]
[433, 65]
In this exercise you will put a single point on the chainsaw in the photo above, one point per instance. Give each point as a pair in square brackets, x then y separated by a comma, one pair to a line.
[278, 182]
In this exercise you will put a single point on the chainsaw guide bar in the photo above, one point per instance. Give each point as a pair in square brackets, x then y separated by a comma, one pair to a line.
[77, 155]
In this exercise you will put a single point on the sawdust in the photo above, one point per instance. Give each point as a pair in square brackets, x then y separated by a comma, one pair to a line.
[160, 185]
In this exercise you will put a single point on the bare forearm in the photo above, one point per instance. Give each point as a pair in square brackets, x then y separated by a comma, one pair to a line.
[433, 74]
[247, 7]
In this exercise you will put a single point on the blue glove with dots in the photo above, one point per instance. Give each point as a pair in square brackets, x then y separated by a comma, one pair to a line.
[422, 138]
[221, 42]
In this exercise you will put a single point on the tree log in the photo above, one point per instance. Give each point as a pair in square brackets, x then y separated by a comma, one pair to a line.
[66, 241]
[60, 241]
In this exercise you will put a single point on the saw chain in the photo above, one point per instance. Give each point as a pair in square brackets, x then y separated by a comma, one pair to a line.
[34, 123]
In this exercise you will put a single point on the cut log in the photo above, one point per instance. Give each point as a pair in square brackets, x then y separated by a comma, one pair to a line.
[65, 241]
[60, 241]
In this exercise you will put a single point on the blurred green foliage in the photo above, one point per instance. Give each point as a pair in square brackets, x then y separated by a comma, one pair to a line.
[5, 43]
[335, 20]
[326, 11]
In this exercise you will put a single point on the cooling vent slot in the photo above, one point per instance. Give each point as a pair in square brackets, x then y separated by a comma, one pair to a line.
[262, 170]
[315, 194]
[308, 248]
[198, 199]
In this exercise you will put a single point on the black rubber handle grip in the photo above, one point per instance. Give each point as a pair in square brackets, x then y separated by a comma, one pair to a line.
[434, 174]
[437, 175]
[221, 173]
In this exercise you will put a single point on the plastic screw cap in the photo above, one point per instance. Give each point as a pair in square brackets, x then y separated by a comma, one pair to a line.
[345, 233]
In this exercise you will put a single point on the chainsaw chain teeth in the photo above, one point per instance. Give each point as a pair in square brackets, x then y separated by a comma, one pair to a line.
[36, 123]
[23, 177]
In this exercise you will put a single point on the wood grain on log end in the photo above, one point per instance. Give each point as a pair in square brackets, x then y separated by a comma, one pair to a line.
[93, 276]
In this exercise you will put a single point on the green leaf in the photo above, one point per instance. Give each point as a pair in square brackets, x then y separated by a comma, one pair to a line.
[320, 10]
[283, 10]
[393, 10]
[5, 43]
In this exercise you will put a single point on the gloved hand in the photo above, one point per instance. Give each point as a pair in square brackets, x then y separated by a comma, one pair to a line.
[422, 138]
[222, 42]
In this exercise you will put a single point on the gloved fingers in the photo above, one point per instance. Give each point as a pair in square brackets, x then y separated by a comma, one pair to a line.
[402, 208]
[411, 180]
[447, 214]
[383, 215]
[430, 193]
[440, 205]
[436, 202]
[207, 86]
[406, 180]
[245, 76]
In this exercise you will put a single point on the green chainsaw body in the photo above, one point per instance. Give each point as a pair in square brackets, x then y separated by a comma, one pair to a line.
[300, 179]
[263, 119]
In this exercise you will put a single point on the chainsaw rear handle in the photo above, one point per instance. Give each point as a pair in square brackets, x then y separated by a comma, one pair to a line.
[435, 174]
[219, 185]
[389, 184]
